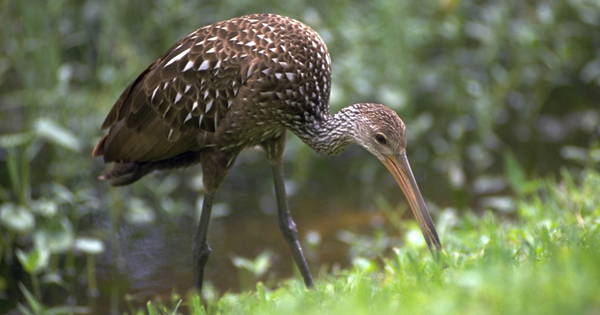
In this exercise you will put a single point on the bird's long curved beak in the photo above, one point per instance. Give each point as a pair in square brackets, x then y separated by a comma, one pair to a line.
[400, 169]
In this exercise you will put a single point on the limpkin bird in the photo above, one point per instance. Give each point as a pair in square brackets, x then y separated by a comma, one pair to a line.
[242, 83]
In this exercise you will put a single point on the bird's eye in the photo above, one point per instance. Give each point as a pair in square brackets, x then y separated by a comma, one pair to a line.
[380, 138]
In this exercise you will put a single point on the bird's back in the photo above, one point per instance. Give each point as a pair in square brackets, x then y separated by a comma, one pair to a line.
[231, 84]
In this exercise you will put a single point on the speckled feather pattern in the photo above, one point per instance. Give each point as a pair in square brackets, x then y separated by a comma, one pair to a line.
[238, 82]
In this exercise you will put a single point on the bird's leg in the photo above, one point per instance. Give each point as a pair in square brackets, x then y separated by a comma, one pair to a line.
[215, 165]
[200, 247]
[287, 225]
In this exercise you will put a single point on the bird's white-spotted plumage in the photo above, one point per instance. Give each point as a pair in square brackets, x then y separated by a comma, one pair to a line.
[243, 81]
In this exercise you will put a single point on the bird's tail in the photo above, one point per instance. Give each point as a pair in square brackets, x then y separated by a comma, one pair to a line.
[126, 173]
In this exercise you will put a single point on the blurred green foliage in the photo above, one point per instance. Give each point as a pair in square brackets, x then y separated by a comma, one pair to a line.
[491, 92]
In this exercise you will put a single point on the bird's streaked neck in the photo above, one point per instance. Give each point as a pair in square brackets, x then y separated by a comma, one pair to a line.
[331, 135]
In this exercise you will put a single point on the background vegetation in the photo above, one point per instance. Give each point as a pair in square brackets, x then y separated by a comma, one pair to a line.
[493, 94]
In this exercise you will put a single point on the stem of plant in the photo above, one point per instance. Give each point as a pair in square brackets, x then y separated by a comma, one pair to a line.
[91, 274]
[36, 287]
[93, 292]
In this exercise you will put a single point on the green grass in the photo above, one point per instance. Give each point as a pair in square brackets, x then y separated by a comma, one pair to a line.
[543, 259]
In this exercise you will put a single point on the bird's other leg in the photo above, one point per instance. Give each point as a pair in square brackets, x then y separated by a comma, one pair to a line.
[274, 152]
[200, 247]
[287, 225]
[215, 166]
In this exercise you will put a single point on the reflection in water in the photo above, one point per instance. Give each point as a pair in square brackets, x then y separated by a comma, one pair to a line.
[152, 259]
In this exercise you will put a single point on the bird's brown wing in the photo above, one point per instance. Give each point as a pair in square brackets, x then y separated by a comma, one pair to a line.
[186, 92]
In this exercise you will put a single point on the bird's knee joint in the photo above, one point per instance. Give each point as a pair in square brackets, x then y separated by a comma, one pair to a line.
[201, 251]
[289, 229]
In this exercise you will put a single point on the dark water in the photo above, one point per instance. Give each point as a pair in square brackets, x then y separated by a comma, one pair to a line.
[156, 257]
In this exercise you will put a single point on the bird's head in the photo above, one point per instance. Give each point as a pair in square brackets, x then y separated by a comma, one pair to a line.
[380, 131]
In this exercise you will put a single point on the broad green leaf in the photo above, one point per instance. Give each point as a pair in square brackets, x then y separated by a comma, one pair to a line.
[364, 264]
[56, 134]
[54, 278]
[46, 208]
[63, 194]
[16, 217]
[575, 154]
[15, 139]
[258, 266]
[242, 262]
[414, 237]
[262, 263]
[89, 245]
[35, 260]
[58, 237]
